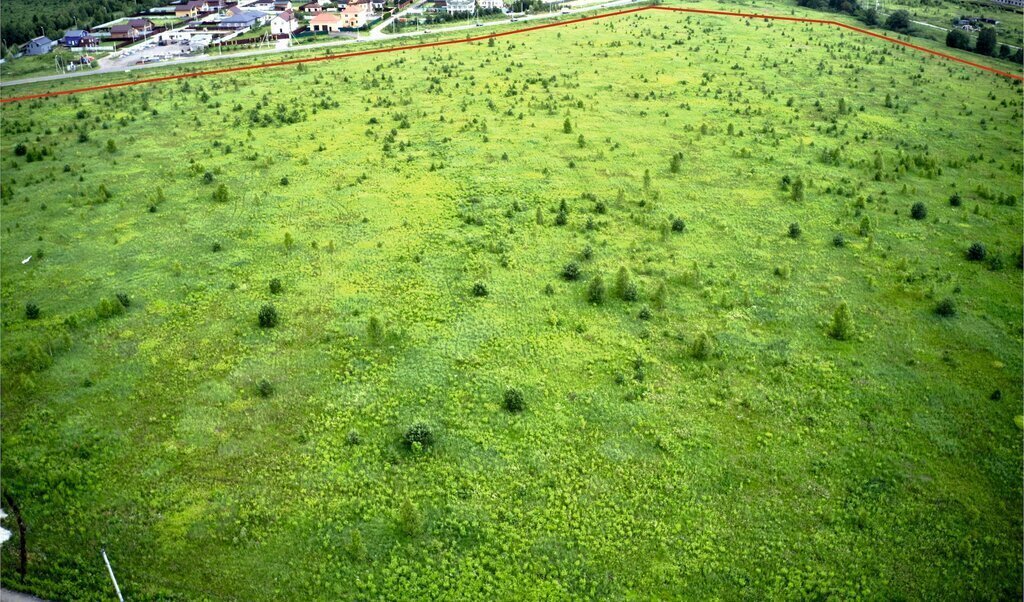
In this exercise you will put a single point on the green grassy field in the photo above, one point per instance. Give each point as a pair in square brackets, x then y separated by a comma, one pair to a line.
[705, 439]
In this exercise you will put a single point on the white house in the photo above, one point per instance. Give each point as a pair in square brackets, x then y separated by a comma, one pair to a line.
[284, 23]
[491, 4]
[461, 6]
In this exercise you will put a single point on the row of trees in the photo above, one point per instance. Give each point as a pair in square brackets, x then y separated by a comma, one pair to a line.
[22, 20]
[899, 21]
[987, 43]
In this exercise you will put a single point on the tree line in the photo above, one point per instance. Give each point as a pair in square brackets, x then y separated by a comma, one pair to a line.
[23, 20]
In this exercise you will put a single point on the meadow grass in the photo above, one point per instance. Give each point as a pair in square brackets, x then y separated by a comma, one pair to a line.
[719, 436]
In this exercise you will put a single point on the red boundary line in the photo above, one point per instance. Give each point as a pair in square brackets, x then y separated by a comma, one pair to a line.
[480, 38]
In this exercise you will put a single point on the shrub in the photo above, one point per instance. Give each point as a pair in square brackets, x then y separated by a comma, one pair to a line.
[841, 327]
[208, 178]
[375, 330]
[108, 308]
[702, 347]
[678, 225]
[418, 435]
[268, 316]
[514, 401]
[976, 252]
[839, 240]
[898, 21]
[595, 292]
[123, 299]
[645, 313]
[409, 519]
[353, 438]
[918, 211]
[480, 289]
[567, 126]
[264, 388]
[955, 200]
[571, 271]
[946, 308]
[275, 286]
[31, 311]
[284, 181]
[221, 194]
[794, 230]
[995, 263]
[217, 247]
[865, 226]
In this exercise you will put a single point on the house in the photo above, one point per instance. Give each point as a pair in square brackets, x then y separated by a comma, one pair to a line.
[356, 15]
[280, 6]
[40, 45]
[491, 5]
[312, 8]
[193, 8]
[461, 6]
[143, 26]
[326, 23]
[246, 20]
[78, 38]
[436, 6]
[284, 24]
[125, 31]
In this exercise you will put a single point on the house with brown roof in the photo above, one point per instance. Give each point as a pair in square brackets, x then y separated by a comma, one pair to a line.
[311, 8]
[284, 23]
[326, 23]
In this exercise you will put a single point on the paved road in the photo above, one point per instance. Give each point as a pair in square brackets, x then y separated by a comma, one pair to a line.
[380, 35]
[7, 595]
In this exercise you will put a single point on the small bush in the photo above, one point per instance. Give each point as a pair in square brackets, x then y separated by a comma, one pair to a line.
[918, 211]
[123, 299]
[976, 252]
[571, 271]
[418, 435]
[31, 311]
[995, 262]
[955, 200]
[353, 438]
[645, 313]
[480, 290]
[794, 230]
[678, 225]
[946, 308]
[838, 240]
[514, 401]
[595, 292]
[841, 327]
[264, 388]
[702, 347]
[275, 286]
[217, 247]
[268, 316]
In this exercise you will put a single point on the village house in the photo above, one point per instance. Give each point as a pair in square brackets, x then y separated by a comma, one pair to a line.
[40, 45]
[312, 8]
[78, 38]
[282, 6]
[326, 23]
[461, 6]
[249, 19]
[132, 30]
[356, 15]
[491, 4]
[191, 9]
[284, 23]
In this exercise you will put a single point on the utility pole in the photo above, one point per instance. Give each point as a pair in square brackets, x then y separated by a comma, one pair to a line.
[111, 571]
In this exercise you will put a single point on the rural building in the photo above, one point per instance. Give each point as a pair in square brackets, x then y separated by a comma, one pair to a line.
[78, 38]
[282, 6]
[248, 19]
[191, 9]
[326, 23]
[461, 6]
[356, 15]
[40, 45]
[284, 24]
[492, 4]
[312, 8]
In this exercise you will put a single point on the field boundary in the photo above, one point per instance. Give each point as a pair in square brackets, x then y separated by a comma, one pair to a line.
[480, 38]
